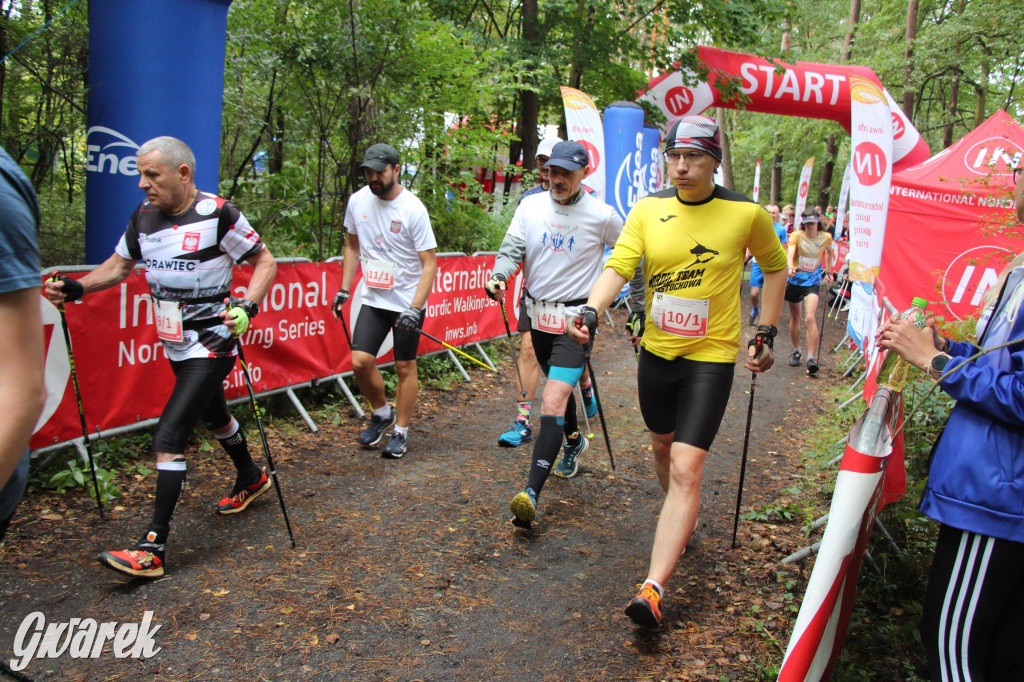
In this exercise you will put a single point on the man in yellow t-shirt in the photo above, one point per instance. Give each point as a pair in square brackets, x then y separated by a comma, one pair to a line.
[693, 240]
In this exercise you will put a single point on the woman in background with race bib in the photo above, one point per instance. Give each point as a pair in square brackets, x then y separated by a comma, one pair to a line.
[807, 249]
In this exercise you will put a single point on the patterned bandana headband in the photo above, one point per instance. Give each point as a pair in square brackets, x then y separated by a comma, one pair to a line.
[695, 132]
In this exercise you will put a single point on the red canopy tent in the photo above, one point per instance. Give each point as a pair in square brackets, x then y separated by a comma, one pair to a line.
[951, 224]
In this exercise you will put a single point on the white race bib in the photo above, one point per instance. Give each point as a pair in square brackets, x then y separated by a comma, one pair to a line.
[809, 264]
[546, 317]
[683, 317]
[167, 318]
[379, 274]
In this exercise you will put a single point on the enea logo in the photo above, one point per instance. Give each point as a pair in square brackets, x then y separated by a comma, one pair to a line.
[969, 276]
[105, 152]
[869, 163]
[679, 100]
[993, 155]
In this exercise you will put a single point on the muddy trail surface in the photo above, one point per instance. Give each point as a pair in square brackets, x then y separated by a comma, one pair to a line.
[410, 569]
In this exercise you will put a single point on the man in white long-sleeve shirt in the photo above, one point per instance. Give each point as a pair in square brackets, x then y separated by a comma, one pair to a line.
[559, 238]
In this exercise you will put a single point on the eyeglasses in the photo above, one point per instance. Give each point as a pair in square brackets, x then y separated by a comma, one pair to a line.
[691, 156]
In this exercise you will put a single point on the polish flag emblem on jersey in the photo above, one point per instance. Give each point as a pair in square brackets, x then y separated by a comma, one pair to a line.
[190, 242]
[396, 226]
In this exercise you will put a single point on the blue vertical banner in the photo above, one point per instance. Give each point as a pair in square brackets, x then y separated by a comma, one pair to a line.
[155, 68]
[623, 153]
[654, 167]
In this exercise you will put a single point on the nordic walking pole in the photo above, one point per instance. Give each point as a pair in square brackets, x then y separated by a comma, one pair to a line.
[586, 419]
[344, 326]
[453, 348]
[600, 411]
[78, 397]
[746, 442]
[512, 349]
[263, 437]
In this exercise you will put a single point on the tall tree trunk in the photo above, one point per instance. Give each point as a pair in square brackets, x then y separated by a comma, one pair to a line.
[954, 90]
[908, 66]
[851, 34]
[585, 30]
[982, 91]
[530, 102]
[825, 182]
[275, 160]
[723, 126]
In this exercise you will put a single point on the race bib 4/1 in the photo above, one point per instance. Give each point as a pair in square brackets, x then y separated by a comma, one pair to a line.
[167, 318]
[546, 317]
[379, 274]
[683, 317]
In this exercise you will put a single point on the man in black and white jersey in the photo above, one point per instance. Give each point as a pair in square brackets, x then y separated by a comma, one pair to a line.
[559, 238]
[389, 235]
[189, 241]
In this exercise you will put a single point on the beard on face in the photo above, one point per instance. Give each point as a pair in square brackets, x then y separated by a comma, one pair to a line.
[382, 189]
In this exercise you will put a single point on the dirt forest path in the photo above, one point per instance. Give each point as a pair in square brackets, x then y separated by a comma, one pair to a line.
[410, 570]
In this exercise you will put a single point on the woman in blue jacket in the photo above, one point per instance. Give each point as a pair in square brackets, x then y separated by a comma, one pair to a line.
[973, 619]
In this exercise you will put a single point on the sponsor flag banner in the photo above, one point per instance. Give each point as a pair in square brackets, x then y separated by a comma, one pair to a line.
[803, 189]
[825, 610]
[800, 89]
[623, 153]
[125, 378]
[127, 107]
[583, 123]
[756, 194]
[844, 199]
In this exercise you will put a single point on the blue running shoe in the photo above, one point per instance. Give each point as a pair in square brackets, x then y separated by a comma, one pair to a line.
[568, 463]
[517, 434]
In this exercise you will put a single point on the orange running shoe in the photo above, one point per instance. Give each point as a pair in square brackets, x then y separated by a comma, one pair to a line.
[137, 561]
[241, 496]
[645, 609]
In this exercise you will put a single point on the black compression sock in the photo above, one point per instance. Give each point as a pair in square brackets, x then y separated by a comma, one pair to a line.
[238, 450]
[170, 482]
[545, 450]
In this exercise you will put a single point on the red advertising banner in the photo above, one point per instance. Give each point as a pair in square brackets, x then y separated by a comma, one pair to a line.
[125, 378]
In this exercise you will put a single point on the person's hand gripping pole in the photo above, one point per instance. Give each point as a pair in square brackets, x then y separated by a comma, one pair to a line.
[339, 300]
[587, 320]
[760, 349]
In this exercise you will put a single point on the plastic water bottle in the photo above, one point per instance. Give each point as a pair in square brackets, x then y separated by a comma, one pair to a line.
[893, 372]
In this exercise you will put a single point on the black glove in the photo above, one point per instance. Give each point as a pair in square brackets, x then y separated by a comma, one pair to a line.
[491, 287]
[411, 319]
[635, 323]
[73, 291]
[587, 317]
[765, 336]
[339, 300]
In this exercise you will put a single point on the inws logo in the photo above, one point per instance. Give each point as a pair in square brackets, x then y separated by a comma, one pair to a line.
[969, 275]
[103, 158]
[995, 154]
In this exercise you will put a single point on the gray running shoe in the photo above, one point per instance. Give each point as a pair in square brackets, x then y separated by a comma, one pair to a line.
[377, 428]
[794, 359]
[395, 449]
[568, 463]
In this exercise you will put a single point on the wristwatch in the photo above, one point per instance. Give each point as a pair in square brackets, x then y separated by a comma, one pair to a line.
[251, 308]
[769, 329]
[938, 365]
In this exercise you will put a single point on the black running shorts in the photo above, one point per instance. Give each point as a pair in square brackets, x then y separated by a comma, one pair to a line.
[557, 350]
[198, 394]
[372, 327]
[683, 396]
[797, 292]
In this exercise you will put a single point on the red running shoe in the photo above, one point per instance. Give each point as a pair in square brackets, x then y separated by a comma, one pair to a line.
[137, 561]
[645, 609]
[241, 496]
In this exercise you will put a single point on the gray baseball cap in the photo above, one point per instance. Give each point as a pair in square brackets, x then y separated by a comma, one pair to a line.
[379, 156]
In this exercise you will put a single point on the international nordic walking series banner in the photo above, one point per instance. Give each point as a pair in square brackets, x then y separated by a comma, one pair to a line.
[295, 339]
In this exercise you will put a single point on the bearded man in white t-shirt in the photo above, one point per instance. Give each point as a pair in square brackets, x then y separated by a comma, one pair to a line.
[390, 237]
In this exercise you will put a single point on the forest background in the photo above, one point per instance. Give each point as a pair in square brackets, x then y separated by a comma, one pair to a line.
[309, 85]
